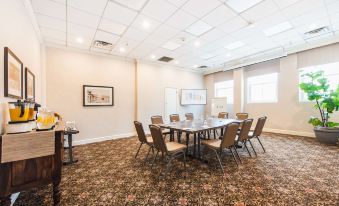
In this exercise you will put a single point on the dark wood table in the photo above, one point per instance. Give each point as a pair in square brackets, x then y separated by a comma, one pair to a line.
[197, 128]
[69, 134]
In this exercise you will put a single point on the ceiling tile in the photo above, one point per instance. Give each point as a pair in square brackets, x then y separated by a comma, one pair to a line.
[119, 13]
[74, 40]
[276, 29]
[333, 7]
[125, 46]
[52, 41]
[219, 15]
[198, 28]
[97, 50]
[80, 31]
[200, 8]
[259, 11]
[181, 20]
[155, 40]
[166, 32]
[146, 24]
[302, 7]
[112, 27]
[82, 18]
[49, 8]
[309, 17]
[235, 45]
[287, 38]
[50, 22]
[233, 25]
[107, 37]
[212, 35]
[242, 5]
[177, 3]
[133, 4]
[53, 34]
[171, 45]
[313, 25]
[285, 3]
[160, 10]
[135, 34]
[95, 7]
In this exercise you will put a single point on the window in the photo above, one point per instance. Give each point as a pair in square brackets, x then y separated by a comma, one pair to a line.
[331, 72]
[224, 89]
[263, 88]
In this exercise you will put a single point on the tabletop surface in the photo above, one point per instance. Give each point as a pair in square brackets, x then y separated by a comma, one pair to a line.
[199, 125]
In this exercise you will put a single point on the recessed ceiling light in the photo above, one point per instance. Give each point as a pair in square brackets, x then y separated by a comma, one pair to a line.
[197, 43]
[242, 5]
[171, 45]
[122, 49]
[146, 24]
[153, 56]
[235, 45]
[284, 26]
[80, 40]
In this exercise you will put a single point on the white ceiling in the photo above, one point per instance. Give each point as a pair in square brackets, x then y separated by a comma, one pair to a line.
[193, 32]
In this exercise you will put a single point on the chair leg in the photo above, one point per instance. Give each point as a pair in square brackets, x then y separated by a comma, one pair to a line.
[234, 157]
[138, 151]
[184, 160]
[155, 157]
[222, 168]
[247, 148]
[236, 152]
[253, 148]
[149, 150]
[168, 165]
[261, 144]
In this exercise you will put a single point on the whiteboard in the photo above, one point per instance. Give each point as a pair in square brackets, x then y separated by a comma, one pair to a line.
[218, 105]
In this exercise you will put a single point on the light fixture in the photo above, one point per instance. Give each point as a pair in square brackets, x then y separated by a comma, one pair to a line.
[284, 26]
[80, 40]
[197, 43]
[153, 56]
[146, 24]
[235, 45]
[122, 49]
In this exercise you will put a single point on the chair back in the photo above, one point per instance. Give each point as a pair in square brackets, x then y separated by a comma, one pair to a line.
[245, 129]
[229, 135]
[189, 116]
[140, 132]
[241, 116]
[157, 119]
[223, 115]
[259, 126]
[158, 140]
[174, 118]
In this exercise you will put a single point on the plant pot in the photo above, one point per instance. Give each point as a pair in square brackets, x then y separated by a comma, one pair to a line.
[327, 135]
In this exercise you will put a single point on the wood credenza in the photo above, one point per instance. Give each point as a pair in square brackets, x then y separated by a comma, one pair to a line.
[30, 160]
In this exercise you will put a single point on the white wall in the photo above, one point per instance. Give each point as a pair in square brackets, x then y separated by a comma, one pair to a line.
[152, 81]
[288, 115]
[18, 34]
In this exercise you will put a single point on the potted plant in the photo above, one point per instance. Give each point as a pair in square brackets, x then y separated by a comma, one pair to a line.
[327, 102]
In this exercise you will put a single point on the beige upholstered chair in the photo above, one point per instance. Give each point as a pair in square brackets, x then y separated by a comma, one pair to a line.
[223, 115]
[243, 134]
[171, 150]
[158, 120]
[189, 116]
[241, 116]
[174, 118]
[143, 139]
[257, 132]
[227, 142]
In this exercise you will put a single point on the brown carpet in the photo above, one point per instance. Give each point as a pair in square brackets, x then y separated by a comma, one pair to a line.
[293, 171]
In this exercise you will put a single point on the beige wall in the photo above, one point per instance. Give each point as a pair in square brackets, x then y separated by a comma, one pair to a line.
[68, 70]
[18, 34]
[288, 115]
[153, 80]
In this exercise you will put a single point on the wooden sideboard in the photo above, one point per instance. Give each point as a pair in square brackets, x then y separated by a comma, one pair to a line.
[30, 160]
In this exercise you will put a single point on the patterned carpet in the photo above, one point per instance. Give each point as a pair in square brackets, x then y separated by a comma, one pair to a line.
[293, 171]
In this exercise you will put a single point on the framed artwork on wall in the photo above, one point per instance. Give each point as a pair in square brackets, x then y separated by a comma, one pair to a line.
[193, 96]
[13, 72]
[98, 95]
[29, 85]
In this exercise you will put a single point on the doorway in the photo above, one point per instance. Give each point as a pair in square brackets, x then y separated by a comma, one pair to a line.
[171, 95]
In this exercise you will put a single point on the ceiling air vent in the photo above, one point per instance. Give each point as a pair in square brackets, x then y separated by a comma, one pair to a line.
[165, 59]
[202, 67]
[317, 32]
[102, 45]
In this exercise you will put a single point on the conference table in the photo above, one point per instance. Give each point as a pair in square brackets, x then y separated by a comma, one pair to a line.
[198, 129]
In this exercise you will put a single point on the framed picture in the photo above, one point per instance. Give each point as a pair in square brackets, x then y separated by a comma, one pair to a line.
[13, 72]
[98, 95]
[29, 84]
[193, 96]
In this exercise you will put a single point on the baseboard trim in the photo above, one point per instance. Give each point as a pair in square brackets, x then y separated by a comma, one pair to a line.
[101, 139]
[290, 132]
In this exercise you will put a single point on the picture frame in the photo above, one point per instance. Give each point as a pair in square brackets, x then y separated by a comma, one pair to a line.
[29, 84]
[13, 75]
[193, 97]
[98, 95]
